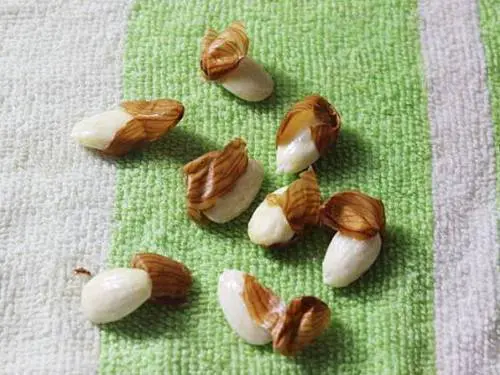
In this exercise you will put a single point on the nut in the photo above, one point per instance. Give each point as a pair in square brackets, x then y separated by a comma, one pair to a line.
[286, 213]
[171, 280]
[348, 258]
[132, 124]
[222, 184]
[359, 220]
[306, 133]
[230, 292]
[259, 316]
[114, 294]
[224, 60]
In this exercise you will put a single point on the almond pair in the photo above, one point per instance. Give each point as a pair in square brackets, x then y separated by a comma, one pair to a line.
[115, 293]
[259, 316]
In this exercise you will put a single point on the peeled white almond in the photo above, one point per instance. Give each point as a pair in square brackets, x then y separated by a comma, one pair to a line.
[248, 81]
[348, 258]
[240, 197]
[231, 284]
[297, 155]
[99, 130]
[115, 293]
[268, 225]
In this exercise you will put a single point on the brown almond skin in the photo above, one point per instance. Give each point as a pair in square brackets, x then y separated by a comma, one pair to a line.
[354, 214]
[261, 302]
[152, 119]
[305, 319]
[313, 112]
[171, 279]
[292, 328]
[222, 53]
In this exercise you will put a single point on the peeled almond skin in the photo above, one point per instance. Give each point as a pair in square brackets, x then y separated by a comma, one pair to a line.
[171, 280]
[98, 131]
[230, 290]
[268, 225]
[114, 294]
[234, 203]
[348, 258]
[224, 60]
[248, 81]
[297, 155]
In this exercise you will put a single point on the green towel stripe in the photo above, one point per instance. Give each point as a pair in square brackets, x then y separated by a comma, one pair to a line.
[365, 58]
[489, 15]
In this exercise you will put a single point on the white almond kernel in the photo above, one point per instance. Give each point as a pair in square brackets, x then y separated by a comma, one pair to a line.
[240, 197]
[230, 289]
[248, 81]
[99, 130]
[115, 293]
[297, 155]
[268, 225]
[348, 258]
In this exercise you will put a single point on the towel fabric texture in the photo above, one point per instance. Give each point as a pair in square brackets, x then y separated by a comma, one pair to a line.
[417, 84]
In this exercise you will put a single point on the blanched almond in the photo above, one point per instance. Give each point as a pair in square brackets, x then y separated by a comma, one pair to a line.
[259, 316]
[286, 213]
[306, 133]
[134, 123]
[230, 292]
[222, 184]
[348, 258]
[359, 220]
[114, 294]
[224, 60]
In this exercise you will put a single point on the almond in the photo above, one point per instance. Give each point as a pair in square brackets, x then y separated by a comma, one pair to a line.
[359, 220]
[259, 316]
[222, 184]
[307, 131]
[287, 213]
[224, 60]
[132, 124]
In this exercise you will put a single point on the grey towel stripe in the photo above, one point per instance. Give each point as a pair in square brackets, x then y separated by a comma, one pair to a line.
[60, 60]
[463, 187]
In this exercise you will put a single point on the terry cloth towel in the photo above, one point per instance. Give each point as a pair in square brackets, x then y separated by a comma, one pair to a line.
[417, 84]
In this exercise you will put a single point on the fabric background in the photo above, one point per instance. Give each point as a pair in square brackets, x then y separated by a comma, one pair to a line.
[417, 85]
[59, 61]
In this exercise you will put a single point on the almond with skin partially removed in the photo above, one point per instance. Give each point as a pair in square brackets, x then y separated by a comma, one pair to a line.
[132, 124]
[287, 213]
[113, 294]
[171, 280]
[259, 316]
[222, 184]
[224, 60]
[359, 220]
[306, 133]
